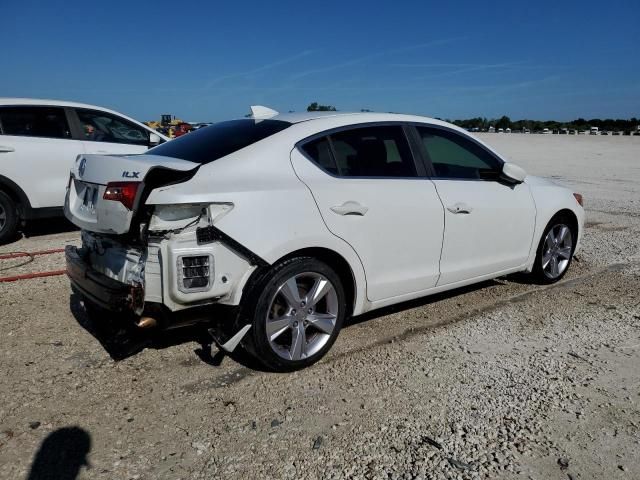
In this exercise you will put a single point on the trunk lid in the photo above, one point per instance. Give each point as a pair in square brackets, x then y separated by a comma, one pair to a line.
[85, 205]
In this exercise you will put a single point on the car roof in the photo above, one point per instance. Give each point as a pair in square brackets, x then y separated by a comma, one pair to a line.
[45, 101]
[354, 118]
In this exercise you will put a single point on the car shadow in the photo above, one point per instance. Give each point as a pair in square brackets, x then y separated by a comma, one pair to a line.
[61, 455]
[419, 302]
[47, 226]
[121, 339]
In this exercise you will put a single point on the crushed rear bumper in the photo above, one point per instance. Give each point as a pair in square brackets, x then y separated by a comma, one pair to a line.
[105, 292]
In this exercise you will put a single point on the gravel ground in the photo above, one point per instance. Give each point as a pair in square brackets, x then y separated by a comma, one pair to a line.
[500, 380]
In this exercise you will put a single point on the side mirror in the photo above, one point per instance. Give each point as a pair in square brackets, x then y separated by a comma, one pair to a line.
[154, 139]
[513, 173]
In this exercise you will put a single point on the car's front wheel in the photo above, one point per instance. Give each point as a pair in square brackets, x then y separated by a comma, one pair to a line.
[296, 313]
[8, 218]
[555, 251]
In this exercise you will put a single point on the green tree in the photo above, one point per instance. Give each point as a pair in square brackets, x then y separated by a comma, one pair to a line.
[504, 122]
[315, 107]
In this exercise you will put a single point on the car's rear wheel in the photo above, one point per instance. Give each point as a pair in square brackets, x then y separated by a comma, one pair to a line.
[8, 218]
[555, 251]
[297, 312]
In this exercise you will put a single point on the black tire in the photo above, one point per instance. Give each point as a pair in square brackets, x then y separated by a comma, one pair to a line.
[538, 274]
[258, 303]
[8, 219]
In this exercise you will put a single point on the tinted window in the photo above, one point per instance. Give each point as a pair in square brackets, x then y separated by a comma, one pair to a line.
[211, 143]
[103, 127]
[373, 152]
[49, 122]
[320, 152]
[453, 156]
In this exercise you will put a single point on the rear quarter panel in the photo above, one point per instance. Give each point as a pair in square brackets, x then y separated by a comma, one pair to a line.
[274, 213]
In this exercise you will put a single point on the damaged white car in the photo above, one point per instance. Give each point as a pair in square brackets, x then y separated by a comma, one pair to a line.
[297, 221]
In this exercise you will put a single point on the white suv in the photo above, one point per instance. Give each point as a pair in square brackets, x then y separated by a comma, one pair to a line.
[39, 139]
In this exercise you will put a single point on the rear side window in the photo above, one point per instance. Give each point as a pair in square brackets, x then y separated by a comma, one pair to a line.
[208, 144]
[320, 152]
[47, 122]
[373, 152]
[100, 126]
[453, 156]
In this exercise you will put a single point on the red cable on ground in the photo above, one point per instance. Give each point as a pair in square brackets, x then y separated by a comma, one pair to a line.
[30, 254]
[27, 276]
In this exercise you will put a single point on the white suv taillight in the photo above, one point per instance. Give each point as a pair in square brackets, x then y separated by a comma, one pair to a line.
[195, 273]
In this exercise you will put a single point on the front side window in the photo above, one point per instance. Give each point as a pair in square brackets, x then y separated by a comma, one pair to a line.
[453, 156]
[373, 152]
[46, 122]
[103, 127]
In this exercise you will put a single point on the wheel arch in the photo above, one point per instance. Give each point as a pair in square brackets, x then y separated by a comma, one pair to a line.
[338, 263]
[16, 194]
[573, 220]
[575, 223]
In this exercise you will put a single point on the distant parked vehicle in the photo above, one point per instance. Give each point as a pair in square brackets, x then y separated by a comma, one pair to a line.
[545, 131]
[593, 131]
[181, 129]
[39, 140]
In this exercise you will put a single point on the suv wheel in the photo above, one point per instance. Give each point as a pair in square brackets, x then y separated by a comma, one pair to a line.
[8, 218]
[296, 312]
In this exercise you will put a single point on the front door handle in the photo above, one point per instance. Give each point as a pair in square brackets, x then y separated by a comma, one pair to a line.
[460, 208]
[6, 149]
[350, 208]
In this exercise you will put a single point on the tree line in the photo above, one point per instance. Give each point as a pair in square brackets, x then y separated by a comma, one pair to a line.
[483, 123]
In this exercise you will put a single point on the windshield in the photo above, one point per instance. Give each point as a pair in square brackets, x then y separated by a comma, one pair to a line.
[211, 143]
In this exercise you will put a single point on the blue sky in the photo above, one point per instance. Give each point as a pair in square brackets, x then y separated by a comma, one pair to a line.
[210, 60]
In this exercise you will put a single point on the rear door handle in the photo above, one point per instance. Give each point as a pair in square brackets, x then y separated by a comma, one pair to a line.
[350, 208]
[460, 208]
[6, 149]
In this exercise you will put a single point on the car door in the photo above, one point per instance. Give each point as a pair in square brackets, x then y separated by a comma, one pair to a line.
[106, 133]
[489, 223]
[372, 194]
[37, 151]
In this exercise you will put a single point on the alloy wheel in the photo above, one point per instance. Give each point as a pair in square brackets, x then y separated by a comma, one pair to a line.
[302, 316]
[556, 253]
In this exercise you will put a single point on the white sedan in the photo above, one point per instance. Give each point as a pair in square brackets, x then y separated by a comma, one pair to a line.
[297, 221]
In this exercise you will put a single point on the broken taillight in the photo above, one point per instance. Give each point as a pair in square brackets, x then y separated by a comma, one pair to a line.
[123, 192]
[578, 198]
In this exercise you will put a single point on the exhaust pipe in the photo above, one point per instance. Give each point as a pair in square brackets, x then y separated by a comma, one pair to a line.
[146, 322]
